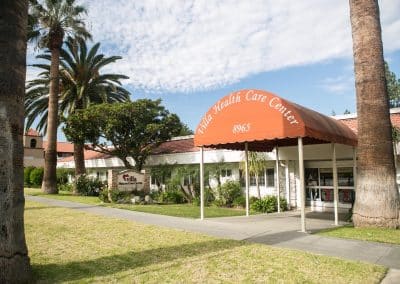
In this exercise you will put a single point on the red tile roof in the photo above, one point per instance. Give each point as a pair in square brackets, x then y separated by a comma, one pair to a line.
[176, 146]
[352, 122]
[32, 132]
[62, 147]
[89, 155]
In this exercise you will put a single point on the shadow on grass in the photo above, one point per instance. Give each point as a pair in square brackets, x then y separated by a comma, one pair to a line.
[40, 207]
[111, 264]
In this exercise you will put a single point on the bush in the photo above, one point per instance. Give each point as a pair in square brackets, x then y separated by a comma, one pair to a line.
[62, 175]
[87, 186]
[103, 196]
[239, 201]
[268, 204]
[229, 191]
[36, 177]
[65, 187]
[171, 196]
[27, 175]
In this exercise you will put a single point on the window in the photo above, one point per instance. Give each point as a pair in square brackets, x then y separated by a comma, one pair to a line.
[261, 179]
[33, 143]
[253, 180]
[270, 177]
[226, 173]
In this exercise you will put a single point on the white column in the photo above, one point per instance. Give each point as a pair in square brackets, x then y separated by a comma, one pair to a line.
[287, 183]
[277, 178]
[355, 167]
[302, 189]
[335, 185]
[201, 183]
[246, 163]
[354, 171]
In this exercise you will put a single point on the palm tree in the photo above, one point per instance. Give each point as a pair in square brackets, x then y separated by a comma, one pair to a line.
[14, 260]
[377, 197]
[257, 165]
[54, 19]
[81, 85]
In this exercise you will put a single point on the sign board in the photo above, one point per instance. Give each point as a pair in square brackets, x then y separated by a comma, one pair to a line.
[130, 180]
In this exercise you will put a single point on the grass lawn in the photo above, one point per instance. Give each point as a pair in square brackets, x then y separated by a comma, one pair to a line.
[70, 246]
[390, 236]
[178, 210]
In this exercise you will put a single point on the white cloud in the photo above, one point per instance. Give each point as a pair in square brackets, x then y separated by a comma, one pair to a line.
[339, 84]
[184, 46]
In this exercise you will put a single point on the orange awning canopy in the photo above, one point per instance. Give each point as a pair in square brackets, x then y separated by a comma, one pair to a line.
[264, 120]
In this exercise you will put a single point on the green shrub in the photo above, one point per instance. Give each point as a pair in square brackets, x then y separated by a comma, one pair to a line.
[268, 204]
[229, 191]
[253, 199]
[36, 177]
[27, 175]
[103, 196]
[171, 196]
[118, 196]
[208, 197]
[65, 187]
[239, 201]
[218, 202]
[87, 186]
[62, 175]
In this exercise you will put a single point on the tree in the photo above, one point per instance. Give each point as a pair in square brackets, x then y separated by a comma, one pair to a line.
[377, 197]
[185, 130]
[134, 129]
[81, 84]
[257, 165]
[52, 21]
[346, 111]
[393, 87]
[14, 260]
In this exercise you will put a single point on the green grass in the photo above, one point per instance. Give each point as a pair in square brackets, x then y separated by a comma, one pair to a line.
[75, 247]
[390, 236]
[178, 210]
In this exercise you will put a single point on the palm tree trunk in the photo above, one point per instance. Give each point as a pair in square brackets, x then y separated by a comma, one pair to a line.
[377, 197]
[79, 158]
[50, 158]
[258, 187]
[14, 260]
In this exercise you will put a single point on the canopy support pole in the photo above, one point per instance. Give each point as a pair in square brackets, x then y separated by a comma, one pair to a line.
[201, 183]
[302, 189]
[354, 172]
[287, 183]
[246, 165]
[335, 184]
[277, 178]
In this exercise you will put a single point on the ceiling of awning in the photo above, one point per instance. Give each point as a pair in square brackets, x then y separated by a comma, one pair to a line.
[264, 120]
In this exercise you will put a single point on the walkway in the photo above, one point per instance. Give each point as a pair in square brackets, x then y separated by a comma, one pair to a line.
[280, 230]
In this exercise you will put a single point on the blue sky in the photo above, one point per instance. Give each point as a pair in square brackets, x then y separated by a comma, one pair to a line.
[191, 53]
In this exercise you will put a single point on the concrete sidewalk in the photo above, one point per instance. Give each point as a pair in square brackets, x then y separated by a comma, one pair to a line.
[280, 230]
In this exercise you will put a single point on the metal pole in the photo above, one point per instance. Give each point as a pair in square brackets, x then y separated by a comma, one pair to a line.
[201, 183]
[287, 183]
[354, 172]
[335, 185]
[277, 178]
[302, 189]
[355, 167]
[246, 163]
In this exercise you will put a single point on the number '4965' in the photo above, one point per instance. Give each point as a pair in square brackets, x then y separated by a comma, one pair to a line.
[241, 128]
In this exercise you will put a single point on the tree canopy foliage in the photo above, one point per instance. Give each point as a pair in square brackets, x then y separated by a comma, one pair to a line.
[393, 87]
[134, 129]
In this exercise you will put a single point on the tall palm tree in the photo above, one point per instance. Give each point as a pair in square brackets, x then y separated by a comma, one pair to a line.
[55, 19]
[377, 196]
[81, 85]
[14, 260]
